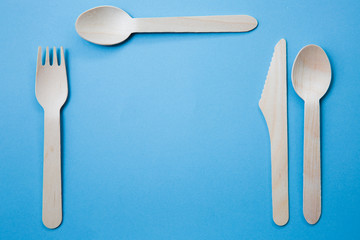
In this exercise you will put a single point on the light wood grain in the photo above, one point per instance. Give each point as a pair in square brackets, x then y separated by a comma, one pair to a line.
[51, 92]
[311, 78]
[312, 169]
[230, 23]
[108, 25]
[273, 104]
[52, 197]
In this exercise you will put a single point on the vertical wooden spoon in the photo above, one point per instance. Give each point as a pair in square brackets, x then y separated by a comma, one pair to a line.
[311, 76]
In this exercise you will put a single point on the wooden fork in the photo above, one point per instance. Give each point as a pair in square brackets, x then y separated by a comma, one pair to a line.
[51, 90]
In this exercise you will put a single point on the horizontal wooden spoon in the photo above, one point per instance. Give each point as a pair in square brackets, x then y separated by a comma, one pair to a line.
[107, 25]
[311, 76]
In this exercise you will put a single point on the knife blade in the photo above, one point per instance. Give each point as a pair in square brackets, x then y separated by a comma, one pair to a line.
[273, 104]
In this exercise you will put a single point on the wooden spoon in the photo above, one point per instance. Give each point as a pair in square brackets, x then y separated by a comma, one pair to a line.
[107, 25]
[311, 76]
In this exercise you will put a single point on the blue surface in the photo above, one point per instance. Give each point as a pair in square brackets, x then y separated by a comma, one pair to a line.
[162, 135]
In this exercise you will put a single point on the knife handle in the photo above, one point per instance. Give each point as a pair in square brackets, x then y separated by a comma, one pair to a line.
[279, 176]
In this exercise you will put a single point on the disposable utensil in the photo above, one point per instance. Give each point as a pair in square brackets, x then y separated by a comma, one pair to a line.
[108, 25]
[311, 76]
[51, 90]
[273, 104]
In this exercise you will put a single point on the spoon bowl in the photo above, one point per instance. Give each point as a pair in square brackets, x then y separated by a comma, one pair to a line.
[104, 25]
[311, 74]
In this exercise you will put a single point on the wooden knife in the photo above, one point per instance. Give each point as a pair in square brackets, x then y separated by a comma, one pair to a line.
[273, 104]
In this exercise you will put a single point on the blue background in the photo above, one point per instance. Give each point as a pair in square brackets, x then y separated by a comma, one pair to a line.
[162, 135]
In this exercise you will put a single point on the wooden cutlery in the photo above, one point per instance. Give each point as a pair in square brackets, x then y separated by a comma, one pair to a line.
[311, 77]
[51, 90]
[107, 25]
[273, 104]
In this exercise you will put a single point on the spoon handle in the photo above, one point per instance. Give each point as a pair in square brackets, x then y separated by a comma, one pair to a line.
[230, 23]
[312, 168]
[52, 203]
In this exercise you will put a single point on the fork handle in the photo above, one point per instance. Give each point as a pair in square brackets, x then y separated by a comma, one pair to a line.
[52, 197]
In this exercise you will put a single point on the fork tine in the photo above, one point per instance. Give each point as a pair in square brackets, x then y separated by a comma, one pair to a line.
[55, 61]
[47, 59]
[62, 57]
[39, 60]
